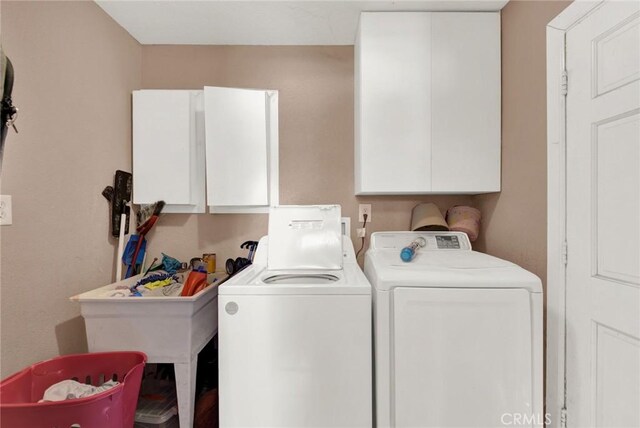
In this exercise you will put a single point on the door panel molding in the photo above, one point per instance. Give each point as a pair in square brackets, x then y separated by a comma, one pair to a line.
[625, 31]
[608, 201]
[612, 344]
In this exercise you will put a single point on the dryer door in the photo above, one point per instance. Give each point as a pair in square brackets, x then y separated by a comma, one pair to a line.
[462, 357]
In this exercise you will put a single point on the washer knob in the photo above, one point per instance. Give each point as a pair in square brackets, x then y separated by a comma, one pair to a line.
[231, 308]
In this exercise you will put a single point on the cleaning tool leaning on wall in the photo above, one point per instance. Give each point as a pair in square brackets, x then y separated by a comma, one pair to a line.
[8, 112]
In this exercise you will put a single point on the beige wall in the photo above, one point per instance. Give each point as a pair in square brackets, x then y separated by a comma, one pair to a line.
[514, 223]
[316, 90]
[75, 69]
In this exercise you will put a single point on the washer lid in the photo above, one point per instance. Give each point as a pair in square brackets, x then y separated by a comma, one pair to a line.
[257, 280]
[446, 269]
[301, 278]
[305, 237]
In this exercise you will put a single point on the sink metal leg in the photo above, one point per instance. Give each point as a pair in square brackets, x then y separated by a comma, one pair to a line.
[186, 391]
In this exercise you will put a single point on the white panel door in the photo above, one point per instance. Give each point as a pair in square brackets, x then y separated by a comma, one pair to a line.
[236, 124]
[393, 115]
[462, 357]
[603, 218]
[465, 102]
[295, 361]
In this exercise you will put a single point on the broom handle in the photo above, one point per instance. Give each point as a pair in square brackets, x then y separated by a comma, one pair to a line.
[123, 221]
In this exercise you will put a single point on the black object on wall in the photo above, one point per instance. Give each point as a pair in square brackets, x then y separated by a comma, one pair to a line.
[8, 112]
[119, 195]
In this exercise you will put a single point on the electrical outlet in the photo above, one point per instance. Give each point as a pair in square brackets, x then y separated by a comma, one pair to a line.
[361, 232]
[362, 210]
[5, 210]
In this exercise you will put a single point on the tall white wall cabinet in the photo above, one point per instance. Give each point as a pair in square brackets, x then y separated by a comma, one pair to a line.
[427, 103]
[215, 147]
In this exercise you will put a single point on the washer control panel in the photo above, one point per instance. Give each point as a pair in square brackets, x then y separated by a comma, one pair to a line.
[435, 241]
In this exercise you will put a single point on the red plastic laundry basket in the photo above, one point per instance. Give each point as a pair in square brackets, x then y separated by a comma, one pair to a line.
[114, 408]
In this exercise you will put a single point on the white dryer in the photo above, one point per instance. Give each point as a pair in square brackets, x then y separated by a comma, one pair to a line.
[457, 335]
[295, 329]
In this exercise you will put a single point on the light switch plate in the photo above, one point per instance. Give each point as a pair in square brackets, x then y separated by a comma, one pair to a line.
[5, 210]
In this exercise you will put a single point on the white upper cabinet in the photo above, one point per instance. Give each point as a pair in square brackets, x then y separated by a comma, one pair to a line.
[225, 138]
[242, 149]
[427, 103]
[168, 149]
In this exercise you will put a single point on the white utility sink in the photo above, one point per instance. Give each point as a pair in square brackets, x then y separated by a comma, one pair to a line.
[167, 329]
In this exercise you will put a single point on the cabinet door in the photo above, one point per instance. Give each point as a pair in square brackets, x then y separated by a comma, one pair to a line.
[465, 102]
[241, 140]
[393, 112]
[168, 149]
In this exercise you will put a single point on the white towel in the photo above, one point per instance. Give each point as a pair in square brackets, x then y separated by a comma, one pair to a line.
[70, 389]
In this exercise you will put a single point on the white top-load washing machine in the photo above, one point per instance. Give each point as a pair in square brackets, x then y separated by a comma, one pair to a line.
[295, 329]
[457, 335]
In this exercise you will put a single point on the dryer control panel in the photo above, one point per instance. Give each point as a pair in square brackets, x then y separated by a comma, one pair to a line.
[435, 241]
[447, 241]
